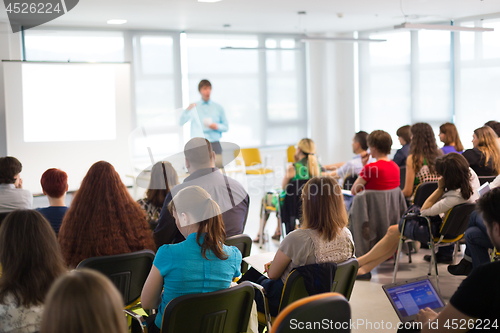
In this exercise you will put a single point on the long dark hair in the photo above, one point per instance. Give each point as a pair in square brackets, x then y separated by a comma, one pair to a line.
[103, 219]
[163, 178]
[423, 146]
[197, 202]
[456, 173]
[30, 257]
[323, 207]
[451, 136]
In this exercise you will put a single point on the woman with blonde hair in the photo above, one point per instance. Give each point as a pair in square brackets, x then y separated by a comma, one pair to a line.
[84, 301]
[305, 166]
[448, 135]
[31, 260]
[200, 264]
[163, 178]
[323, 238]
[484, 158]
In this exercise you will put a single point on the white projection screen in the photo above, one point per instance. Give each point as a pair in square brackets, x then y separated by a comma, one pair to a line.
[67, 116]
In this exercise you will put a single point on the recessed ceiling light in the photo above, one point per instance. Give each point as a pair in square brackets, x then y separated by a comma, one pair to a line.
[117, 21]
[209, 0]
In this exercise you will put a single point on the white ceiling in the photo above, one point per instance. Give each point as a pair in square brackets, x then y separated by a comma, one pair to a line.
[267, 15]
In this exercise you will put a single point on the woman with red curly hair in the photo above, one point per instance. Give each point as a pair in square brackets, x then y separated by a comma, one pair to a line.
[103, 219]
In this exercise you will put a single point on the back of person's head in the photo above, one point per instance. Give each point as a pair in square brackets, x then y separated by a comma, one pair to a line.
[204, 83]
[456, 173]
[490, 123]
[496, 128]
[361, 137]
[451, 136]
[163, 178]
[198, 152]
[102, 212]
[381, 141]
[323, 207]
[30, 257]
[54, 182]
[423, 146]
[9, 168]
[202, 209]
[83, 301]
[308, 147]
[488, 144]
[405, 133]
[488, 205]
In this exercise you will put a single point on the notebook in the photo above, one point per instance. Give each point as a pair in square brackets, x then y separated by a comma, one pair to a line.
[485, 188]
[408, 297]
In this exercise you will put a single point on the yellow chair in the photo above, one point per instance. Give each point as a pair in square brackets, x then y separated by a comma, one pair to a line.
[253, 163]
[290, 153]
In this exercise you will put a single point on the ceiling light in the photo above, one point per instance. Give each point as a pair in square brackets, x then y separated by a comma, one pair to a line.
[117, 21]
[340, 39]
[260, 48]
[415, 26]
[209, 0]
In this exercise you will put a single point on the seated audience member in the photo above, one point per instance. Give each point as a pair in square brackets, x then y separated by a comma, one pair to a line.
[484, 158]
[31, 260]
[477, 243]
[404, 136]
[306, 166]
[200, 264]
[323, 238]
[495, 126]
[382, 174]
[448, 135]
[12, 194]
[476, 300]
[458, 184]
[84, 301]
[229, 194]
[420, 163]
[54, 185]
[103, 219]
[163, 178]
[353, 167]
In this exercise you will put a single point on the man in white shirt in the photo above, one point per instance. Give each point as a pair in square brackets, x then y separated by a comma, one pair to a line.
[340, 171]
[12, 194]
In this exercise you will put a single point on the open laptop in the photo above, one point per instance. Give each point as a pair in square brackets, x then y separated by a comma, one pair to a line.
[408, 297]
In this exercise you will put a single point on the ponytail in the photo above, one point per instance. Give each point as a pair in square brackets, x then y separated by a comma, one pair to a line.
[313, 166]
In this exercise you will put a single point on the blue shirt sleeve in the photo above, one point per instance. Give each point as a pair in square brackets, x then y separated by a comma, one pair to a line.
[163, 259]
[185, 116]
[223, 125]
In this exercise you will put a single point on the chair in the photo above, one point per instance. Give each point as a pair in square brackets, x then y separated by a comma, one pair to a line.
[402, 177]
[484, 179]
[127, 271]
[452, 230]
[332, 307]
[3, 216]
[292, 204]
[290, 153]
[349, 182]
[371, 214]
[294, 289]
[226, 310]
[423, 191]
[253, 162]
[244, 244]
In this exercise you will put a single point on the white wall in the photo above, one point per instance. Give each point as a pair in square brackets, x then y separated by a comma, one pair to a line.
[10, 49]
[332, 99]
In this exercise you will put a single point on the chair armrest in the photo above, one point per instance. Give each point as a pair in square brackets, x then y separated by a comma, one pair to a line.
[140, 319]
[266, 304]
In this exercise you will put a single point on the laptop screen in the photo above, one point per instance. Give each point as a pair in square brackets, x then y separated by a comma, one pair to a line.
[411, 297]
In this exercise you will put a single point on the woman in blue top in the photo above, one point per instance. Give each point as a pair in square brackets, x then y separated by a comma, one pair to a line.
[200, 264]
[448, 135]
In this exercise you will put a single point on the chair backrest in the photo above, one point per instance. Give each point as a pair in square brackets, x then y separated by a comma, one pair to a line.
[290, 153]
[343, 283]
[332, 308]
[456, 220]
[402, 177]
[251, 156]
[127, 271]
[484, 179]
[423, 191]
[222, 311]
[244, 244]
[349, 181]
[292, 204]
[3, 216]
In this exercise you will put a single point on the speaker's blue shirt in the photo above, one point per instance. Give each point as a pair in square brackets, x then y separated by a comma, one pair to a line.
[205, 110]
